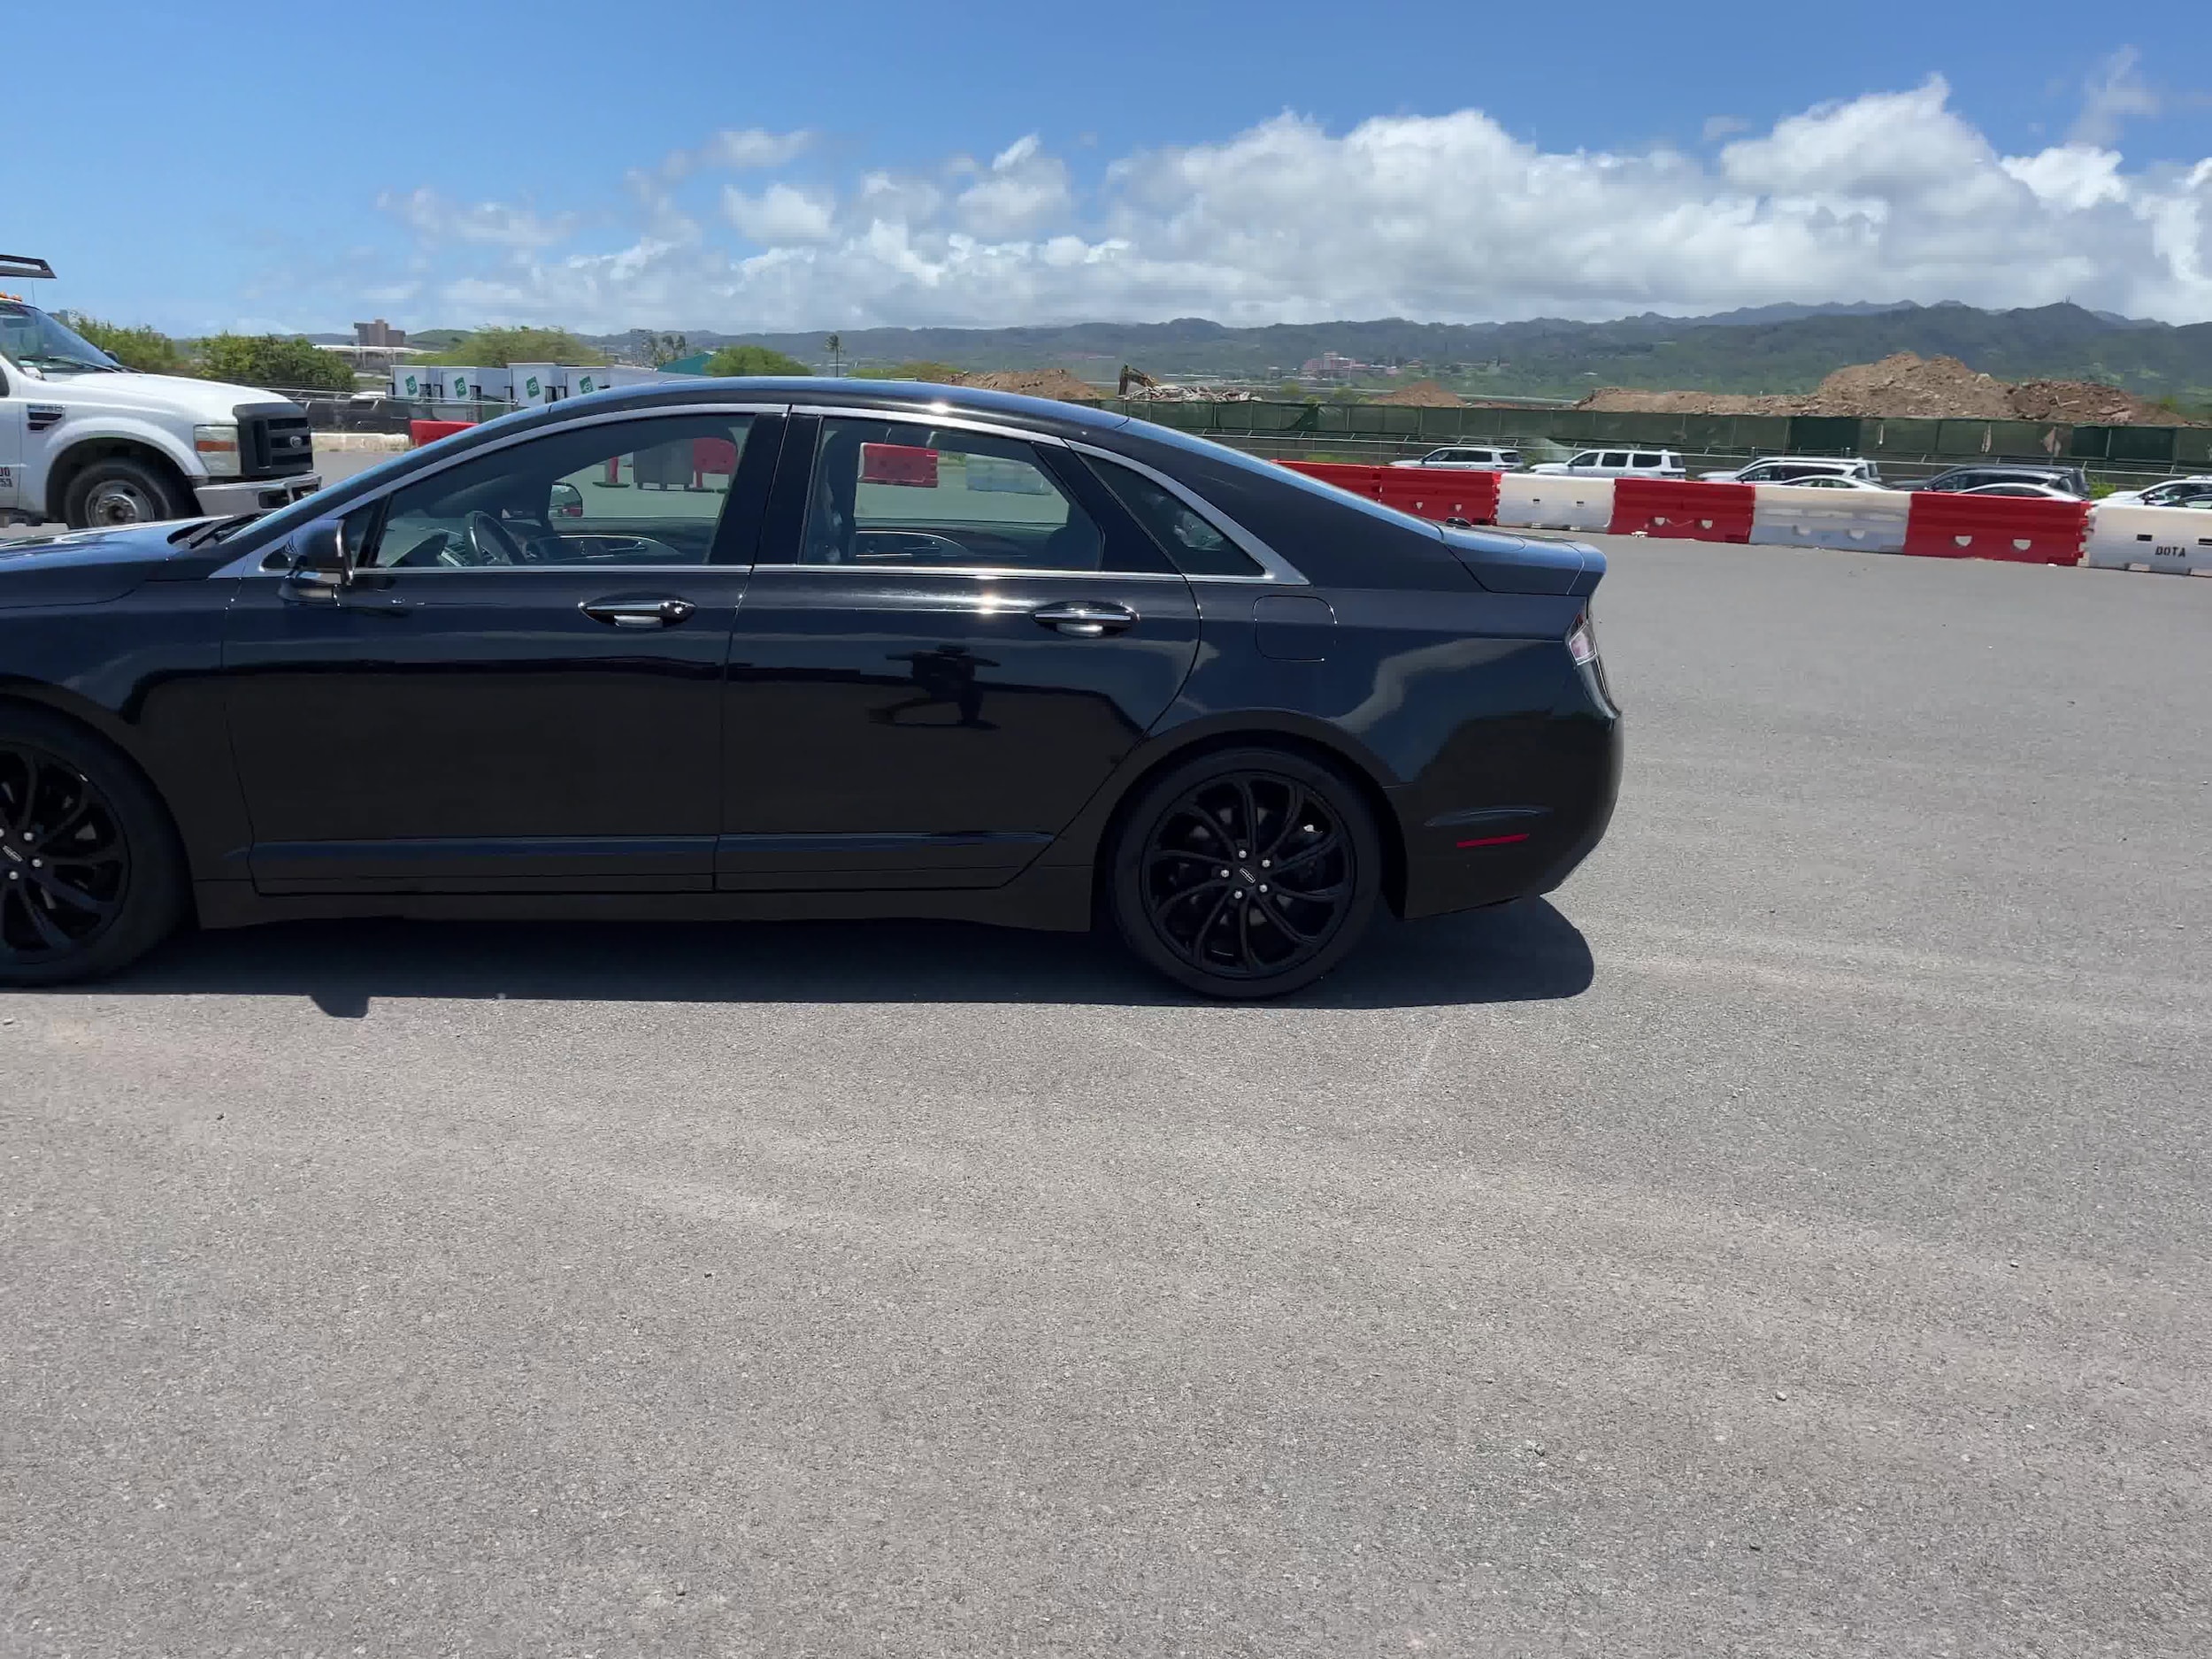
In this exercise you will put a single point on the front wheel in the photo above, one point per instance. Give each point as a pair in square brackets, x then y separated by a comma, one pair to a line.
[90, 877]
[119, 491]
[1246, 872]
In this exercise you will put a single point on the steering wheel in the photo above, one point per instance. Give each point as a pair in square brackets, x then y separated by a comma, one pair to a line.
[492, 542]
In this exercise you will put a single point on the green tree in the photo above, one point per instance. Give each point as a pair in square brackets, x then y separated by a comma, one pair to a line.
[147, 350]
[1291, 392]
[290, 361]
[496, 347]
[754, 360]
[660, 349]
[922, 369]
[836, 344]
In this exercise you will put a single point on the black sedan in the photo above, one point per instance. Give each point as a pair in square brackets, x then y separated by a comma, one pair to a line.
[782, 649]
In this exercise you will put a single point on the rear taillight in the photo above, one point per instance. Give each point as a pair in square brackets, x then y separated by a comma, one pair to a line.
[1582, 642]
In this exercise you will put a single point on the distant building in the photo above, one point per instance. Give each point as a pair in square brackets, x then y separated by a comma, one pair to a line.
[379, 333]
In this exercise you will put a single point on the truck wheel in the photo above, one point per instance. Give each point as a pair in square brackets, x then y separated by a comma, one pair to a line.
[118, 490]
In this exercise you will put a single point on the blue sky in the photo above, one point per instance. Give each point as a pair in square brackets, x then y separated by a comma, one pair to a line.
[729, 167]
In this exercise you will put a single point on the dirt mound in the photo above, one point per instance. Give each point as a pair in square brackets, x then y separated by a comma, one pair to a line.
[1630, 399]
[1423, 395]
[1036, 383]
[1907, 384]
[2084, 403]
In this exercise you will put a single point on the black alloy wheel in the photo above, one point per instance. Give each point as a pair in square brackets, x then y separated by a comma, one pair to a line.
[88, 879]
[1246, 873]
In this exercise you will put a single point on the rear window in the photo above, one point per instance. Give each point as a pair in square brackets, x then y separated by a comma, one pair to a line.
[1192, 542]
[1646, 459]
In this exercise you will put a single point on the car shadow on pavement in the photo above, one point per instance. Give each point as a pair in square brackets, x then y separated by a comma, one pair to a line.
[1522, 952]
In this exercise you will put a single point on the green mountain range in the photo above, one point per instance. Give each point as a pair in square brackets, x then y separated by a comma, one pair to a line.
[1774, 349]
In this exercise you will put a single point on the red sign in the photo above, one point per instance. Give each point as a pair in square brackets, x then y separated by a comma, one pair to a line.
[898, 463]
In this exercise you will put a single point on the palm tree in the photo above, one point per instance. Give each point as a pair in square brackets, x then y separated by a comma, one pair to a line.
[836, 343]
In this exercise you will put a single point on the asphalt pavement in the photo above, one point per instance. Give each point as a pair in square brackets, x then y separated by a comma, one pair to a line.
[1788, 1238]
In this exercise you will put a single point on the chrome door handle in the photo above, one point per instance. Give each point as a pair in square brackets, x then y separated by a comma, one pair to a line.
[638, 613]
[1085, 618]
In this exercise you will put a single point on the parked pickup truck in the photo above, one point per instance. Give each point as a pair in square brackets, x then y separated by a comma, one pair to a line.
[87, 441]
[1617, 463]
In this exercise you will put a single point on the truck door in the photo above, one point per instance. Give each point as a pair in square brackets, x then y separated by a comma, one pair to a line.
[13, 458]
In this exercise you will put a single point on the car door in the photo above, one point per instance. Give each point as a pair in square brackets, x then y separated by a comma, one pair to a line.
[953, 637]
[520, 689]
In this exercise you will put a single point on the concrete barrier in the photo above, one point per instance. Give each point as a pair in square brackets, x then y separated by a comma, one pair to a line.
[2176, 539]
[1864, 520]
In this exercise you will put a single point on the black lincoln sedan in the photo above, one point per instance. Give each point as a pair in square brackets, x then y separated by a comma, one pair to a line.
[786, 649]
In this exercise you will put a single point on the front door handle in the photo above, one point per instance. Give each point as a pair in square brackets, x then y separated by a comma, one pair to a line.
[1085, 618]
[638, 613]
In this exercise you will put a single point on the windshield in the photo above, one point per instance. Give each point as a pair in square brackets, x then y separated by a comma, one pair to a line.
[29, 336]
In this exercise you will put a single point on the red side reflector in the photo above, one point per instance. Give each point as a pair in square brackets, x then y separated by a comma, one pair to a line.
[898, 463]
[1497, 840]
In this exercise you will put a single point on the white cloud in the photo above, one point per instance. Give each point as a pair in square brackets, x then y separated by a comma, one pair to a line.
[779, 214]
[1894, 195]
[435, 220]
[1024, 189]
[2115, 94]
[738, 149]
[1725, 127]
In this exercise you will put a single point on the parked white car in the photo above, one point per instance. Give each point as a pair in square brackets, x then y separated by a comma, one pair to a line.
[2175, 492]
[1831, 481]
[1468, 457]
[2030, 491]
[1797, 469]
[1617, 463]
[87, 441]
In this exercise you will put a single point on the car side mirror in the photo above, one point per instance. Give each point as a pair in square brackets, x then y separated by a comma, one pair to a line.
[566, 501]
[319, 561]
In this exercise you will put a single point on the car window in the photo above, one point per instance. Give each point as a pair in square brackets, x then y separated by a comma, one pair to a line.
[1195, 545]
[895, 493]
[1588, 458]
[1614, 458]
[1757, 474]
[1510, 458]
[630, 492]
[1649, 460]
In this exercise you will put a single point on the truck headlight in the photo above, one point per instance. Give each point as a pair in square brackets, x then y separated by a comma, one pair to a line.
[217, 449]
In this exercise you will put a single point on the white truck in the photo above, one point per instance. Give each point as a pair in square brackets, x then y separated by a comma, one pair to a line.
[89, 443]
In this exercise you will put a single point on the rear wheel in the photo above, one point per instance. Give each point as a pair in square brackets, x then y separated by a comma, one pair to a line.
[89, 874]
[118, 490]
[1246, 872]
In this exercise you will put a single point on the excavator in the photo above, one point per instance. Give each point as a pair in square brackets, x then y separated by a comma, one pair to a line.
[1136, 377]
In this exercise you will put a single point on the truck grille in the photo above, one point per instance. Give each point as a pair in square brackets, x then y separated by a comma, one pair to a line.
[274, 440]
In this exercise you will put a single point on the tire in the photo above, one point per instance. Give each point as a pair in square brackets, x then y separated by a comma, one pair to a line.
[1248, 932]
[118, 490]
[91, 877]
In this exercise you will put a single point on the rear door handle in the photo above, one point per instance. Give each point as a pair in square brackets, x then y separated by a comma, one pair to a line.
[638, 613]
[1085, 618]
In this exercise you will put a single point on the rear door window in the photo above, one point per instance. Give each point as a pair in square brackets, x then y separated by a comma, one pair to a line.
[1614, 458]
[1646, 459]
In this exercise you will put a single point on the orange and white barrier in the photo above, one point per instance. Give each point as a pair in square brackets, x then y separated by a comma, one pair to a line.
[1554, 501]
[1864, 520]
[2176, 539]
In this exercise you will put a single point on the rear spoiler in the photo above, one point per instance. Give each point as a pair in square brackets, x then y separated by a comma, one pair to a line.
[16, 264]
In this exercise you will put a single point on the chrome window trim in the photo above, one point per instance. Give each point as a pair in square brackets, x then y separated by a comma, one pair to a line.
[1000, 573]
[1275, 567]
[250, 564]
[929, 417]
